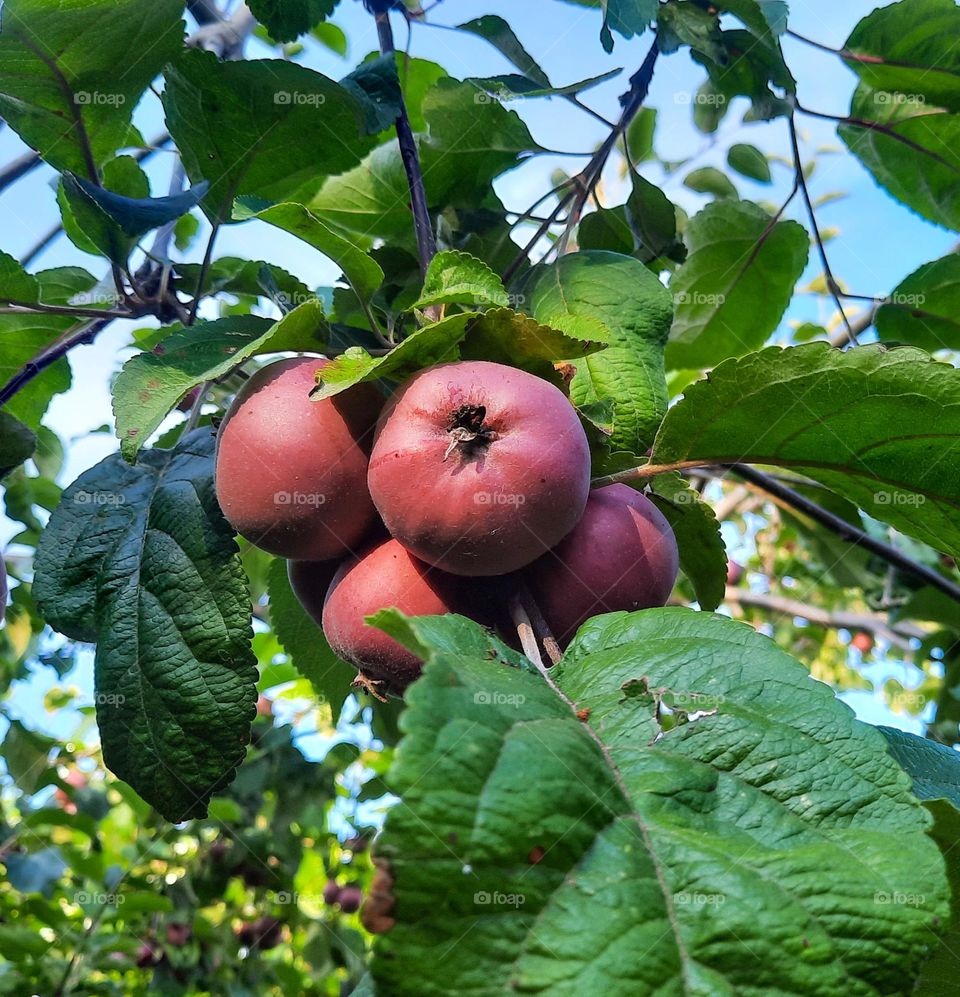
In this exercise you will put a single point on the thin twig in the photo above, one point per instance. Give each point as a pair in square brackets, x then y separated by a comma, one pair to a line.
[832, 284]
[528, 639]
[541, 628]
[19, 167]
[426, 243]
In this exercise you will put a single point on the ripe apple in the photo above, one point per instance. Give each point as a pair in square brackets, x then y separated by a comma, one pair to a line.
[622, 555]
[863, 642]
[290, 472]
[479, 468]
[350, 899]
[734, 572]
[331, 891]
[386, 576]
[310, 581]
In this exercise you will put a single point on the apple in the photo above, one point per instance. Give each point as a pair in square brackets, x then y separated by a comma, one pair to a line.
[290, 472]
[331, 891]
[386, 576]
[734, 572]
[863, 642]
[478, 468]
[622, 555]
[350, 899]
[178, 933]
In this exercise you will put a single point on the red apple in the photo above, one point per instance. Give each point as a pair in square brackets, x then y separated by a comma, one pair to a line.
[863, 642]
[734, 572]
[290, 472]
[386, 576]
[310, 581]
[621, 556]
[331, 891]
[350, 899]
[479, 468]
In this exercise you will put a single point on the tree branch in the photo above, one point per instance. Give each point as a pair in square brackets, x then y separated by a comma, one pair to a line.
[19, 167]
[426, 244]
[898, 634]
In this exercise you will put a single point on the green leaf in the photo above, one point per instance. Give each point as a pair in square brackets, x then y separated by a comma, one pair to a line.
[627, 18]
[16, 285]
[760, 16]
[376, 86]
[287, 20]
[703, 555]
[496, 31]
[361, 270]
[265, 127]
[709, 180]
[609, 229]
[939, 973]
[749, 161]
[688, 24]
[649, 852]
[304, 642]
[238, 276]
[924, 309]
[71, 74]
[616, 299]
[151, 383]
[26, 754]
[510, 86]
[141, 560]
[710, 104]
[433, 344]
[23, 337]
[934, 768]
[505, 336]
[331, 36]
[17, 443]
[138, 215]
[910, 50]
[35, 872]
[877, 426]
[736, 283]
[639, 136]
[653, 218]
[459, 278]
[459, 163]
[912, 151]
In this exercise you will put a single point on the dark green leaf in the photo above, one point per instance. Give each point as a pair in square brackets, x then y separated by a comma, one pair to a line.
[304, 642]
[286, 20]
[691, 25]
[150, 384]
[736, 283]
[652, 218]
[26, 754]
[627, 18]
[71, 74]
[376, 86]
[934, 768]
[639, 136]
[607, 228]
[703, 555]
[511, 86]
[924, 308]
[140, 559]
[876, 426]
[237, 276]
[496, 31]
[17, 443]
[264, 127]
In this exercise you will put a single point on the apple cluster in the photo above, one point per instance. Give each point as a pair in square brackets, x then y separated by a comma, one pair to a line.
[470, 481]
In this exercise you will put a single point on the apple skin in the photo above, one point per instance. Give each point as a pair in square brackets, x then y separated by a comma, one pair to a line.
[387, 576]
[350, 899]
[622, 556]
[310, 581]
[291, 473]
[487, 506]
[734, 572]
[863, 642]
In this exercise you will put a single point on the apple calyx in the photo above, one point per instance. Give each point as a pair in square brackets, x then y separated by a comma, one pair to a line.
[467, 431]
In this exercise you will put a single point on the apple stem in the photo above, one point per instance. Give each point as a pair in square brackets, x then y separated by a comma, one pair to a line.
[528, 639]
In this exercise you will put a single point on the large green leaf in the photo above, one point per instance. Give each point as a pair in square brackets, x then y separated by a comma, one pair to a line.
[140, 560]
[459, 278]
[17, 443]
[913, 152]
[910, 49]
[934, 768]
[151, 383]
[924, 309]
[496, 31]
[727, 847]
[880, 427]
[286, 20]
[616, 299]
[361, 270]
[736, 283]
[71, 73]
[264, 127]
[25, 336]
[304, 642]
[703, 555]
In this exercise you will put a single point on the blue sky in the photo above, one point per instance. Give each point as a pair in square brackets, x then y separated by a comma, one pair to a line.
[879, 241]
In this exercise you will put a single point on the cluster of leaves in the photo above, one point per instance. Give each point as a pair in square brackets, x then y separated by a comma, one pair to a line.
[703, 815]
